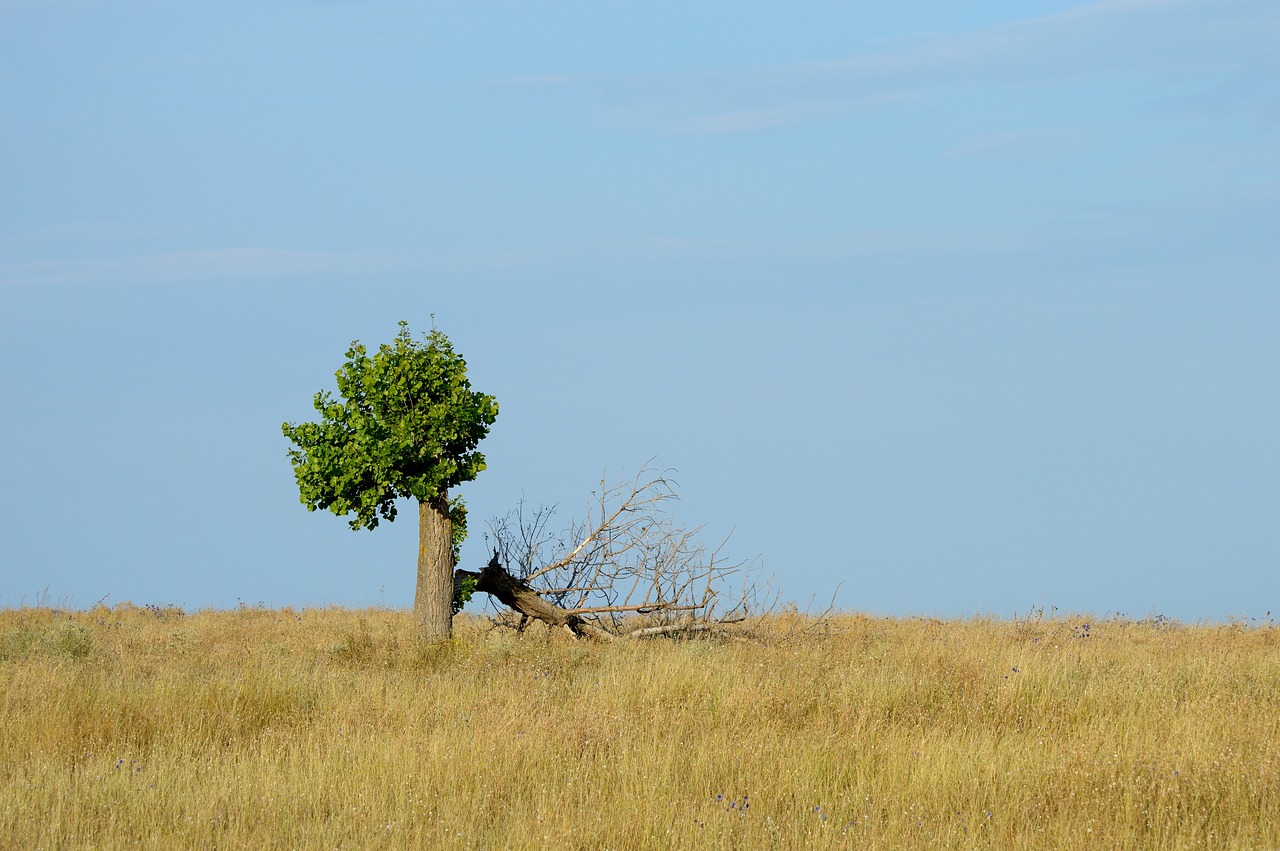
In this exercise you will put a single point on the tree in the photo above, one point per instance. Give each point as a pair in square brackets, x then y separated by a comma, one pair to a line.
[406, 425]
[629, 569]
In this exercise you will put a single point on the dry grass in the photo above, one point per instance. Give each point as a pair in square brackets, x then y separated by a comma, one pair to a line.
[148, 728]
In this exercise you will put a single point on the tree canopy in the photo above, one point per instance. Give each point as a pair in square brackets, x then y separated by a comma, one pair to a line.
[405, 423]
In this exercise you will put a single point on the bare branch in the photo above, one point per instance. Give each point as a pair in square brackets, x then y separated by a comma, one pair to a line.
[628, 565]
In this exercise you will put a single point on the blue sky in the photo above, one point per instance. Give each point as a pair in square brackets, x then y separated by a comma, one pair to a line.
[958, 307]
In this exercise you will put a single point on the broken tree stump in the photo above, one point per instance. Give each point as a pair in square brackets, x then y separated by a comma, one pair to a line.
[519, 596]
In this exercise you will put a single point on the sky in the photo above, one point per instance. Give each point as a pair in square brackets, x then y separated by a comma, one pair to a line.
[936, 308]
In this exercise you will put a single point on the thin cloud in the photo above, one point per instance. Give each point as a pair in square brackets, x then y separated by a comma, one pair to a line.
[186, 266]
[1074, 232]
[65, 235]
[753, 120]
[532, 80]
[865, 243]
[1038, 144]
[1167, 39]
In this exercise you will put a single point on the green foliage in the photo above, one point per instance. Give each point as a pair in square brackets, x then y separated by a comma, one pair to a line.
[458, 525]
[16, 643]
[466, 588]
[67, 639]
[405, 423]
[70, 640]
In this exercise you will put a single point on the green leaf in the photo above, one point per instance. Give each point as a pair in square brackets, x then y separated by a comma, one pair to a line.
[404, 424]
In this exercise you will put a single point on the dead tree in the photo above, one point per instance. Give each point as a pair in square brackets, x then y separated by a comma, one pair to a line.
[520, 597]
[627, 570]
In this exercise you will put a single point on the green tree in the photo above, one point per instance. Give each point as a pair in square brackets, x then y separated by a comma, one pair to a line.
[406, 423]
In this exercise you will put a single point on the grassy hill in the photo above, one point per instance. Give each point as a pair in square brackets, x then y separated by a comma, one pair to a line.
[258, 728]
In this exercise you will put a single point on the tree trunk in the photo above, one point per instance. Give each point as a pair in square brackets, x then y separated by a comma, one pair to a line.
[433, 603]
[511, 592]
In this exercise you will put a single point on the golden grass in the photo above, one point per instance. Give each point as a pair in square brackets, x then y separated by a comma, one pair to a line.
[256, 728]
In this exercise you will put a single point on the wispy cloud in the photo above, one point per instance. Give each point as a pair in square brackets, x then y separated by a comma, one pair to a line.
[87, 232]
[1033, 144]
[1173, 39]
[776, 116]
[754, 120]
[214, 264]
[1074, 233]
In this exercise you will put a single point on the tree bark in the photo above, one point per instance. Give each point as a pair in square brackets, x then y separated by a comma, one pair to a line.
[433, 603]
[511, 592]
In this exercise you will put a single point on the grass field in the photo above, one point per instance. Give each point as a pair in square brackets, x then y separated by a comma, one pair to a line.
[258, 728]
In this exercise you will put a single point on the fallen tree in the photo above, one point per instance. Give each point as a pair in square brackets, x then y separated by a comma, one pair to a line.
[519, 596]
[627, 570]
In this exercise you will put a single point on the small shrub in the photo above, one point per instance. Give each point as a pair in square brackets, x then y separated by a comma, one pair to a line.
[17, 643]
[70, 640]
[67, 639]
